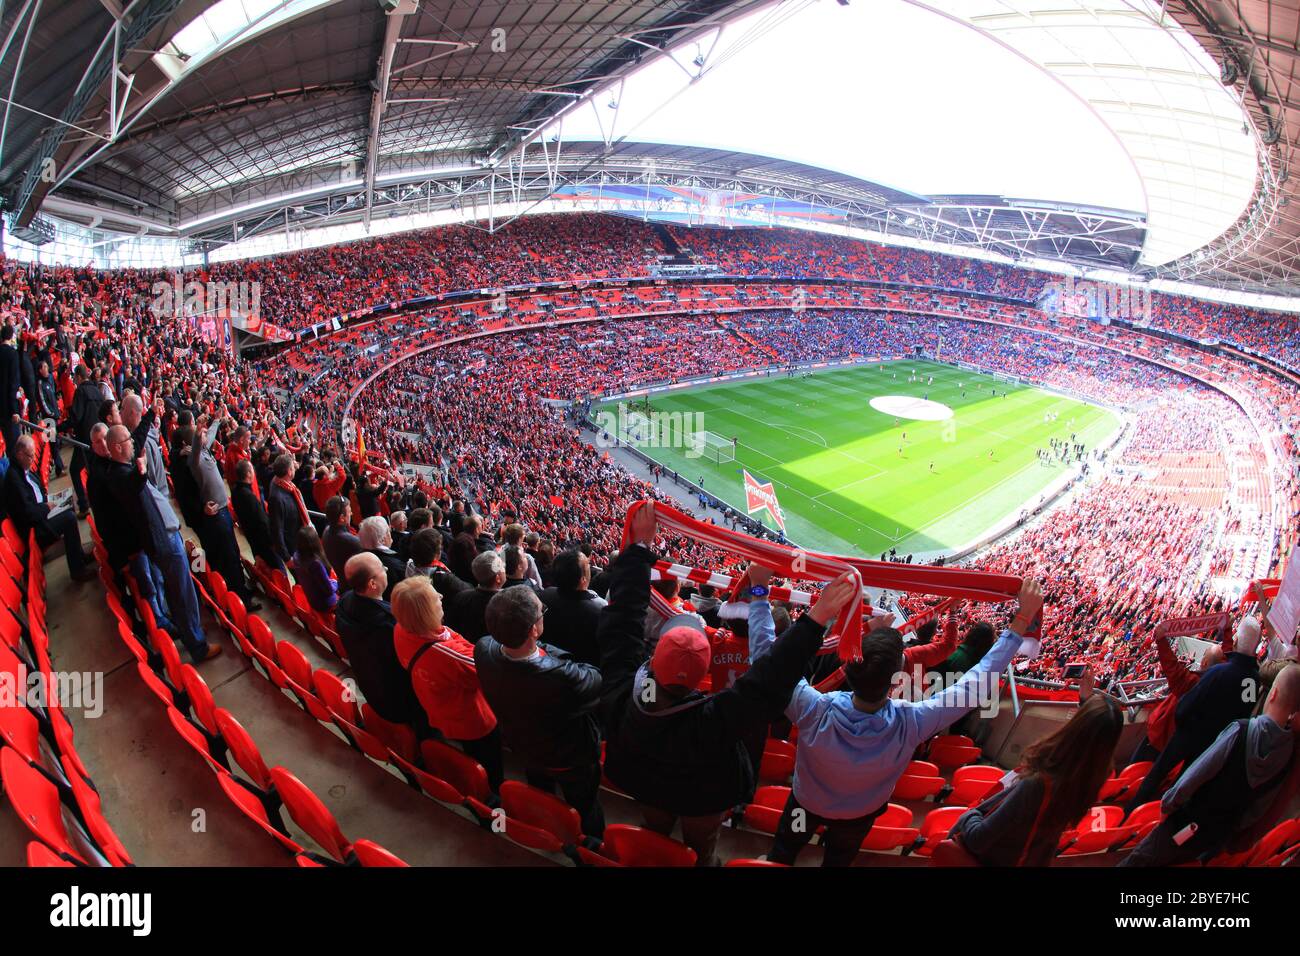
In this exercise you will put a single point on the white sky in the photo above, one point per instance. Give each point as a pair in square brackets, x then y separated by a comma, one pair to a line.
[887, 92]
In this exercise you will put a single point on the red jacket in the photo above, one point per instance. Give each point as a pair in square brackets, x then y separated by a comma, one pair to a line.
[446, 683]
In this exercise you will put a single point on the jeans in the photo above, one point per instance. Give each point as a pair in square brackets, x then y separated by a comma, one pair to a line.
[152, 588]
[182, 600]
[581, 789]
[841, 841]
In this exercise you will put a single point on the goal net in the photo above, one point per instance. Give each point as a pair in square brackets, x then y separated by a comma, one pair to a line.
[714, 448]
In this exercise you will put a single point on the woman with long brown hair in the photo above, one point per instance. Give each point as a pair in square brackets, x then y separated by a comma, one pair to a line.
[1055, 785]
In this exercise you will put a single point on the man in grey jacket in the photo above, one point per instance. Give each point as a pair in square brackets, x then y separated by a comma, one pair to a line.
[216, 528]
[1229, 786]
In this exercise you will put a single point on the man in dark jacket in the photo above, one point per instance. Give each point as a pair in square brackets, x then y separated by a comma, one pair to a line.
[339, 542]
[426, 550]
[463, 549]
[82, 417]
[572, 610]
[282, 509]
[1230, 786]
[676, 750]
[253, 519]
[47, 408]
[10, 382]
[1225, 692]
[29, 506]
[467, 611]
[365, 625]
[545, 704]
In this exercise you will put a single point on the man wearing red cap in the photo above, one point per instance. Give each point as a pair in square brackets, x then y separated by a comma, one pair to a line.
[678, 751]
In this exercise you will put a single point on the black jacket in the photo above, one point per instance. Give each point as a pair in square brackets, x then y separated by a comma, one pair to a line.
[10, 381]
[121, 535]
[84, 414]
[22, 506]
[253, 520]
[1216, 701]
[285, 521]
[466, 613]
[185, 488]
[686, 756]
[366, 628]
[571, 621]
[545, 708]
[340, 544]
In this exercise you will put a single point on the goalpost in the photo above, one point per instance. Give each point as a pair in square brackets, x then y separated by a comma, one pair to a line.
[713, 447]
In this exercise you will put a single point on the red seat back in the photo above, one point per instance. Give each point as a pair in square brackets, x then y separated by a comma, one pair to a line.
[310, 813]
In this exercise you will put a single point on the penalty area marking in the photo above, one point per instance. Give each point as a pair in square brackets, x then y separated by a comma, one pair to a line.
[906, 406]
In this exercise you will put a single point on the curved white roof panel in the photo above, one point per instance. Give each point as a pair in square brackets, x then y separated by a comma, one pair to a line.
[1089, 102]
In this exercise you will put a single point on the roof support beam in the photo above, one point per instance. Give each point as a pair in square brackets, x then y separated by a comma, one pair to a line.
[379, 99]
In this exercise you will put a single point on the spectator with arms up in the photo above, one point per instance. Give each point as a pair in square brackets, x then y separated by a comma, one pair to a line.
[855, 744]
[681, 753]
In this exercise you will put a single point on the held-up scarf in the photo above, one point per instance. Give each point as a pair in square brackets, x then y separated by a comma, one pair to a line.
[790, 562]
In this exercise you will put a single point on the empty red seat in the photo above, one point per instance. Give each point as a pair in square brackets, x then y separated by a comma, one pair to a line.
[369, 853]
[539, 820]
[311, 814]
[636, 846]
[37, 803]
[892, 830]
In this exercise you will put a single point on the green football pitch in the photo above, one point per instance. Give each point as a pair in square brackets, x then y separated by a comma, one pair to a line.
[853, 479]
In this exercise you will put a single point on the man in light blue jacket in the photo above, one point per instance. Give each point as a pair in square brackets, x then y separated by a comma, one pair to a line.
[855, 744]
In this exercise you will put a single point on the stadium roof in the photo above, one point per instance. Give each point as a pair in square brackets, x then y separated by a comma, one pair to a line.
[215, 121]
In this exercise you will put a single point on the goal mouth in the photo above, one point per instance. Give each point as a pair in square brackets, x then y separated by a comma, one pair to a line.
[712, 447]
[907, 406]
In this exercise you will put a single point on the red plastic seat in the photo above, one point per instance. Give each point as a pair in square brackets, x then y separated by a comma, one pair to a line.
[953, 755]
[36, 801]
[1278, 841]
[311, 814]
[155, 684]
[461, 771]
[20, 730]
[200, 696]
[237, 614]
[253, 807]
[39, 855]
[165, 647]
[892, 830]
[400, 739]
[778, 762]
[338, 696]
[635, 846]
[1142, 821]
[260, 636]
[194, 737]
[539, 820]
[1125, 782]
[745, 862]
[911, 787]
[244, 751]
[92, 812]
[764, 812]
[935, 827]
[369, 853]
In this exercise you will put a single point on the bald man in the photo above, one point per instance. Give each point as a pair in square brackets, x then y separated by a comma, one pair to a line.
[365, 623]
[151, 512]
[28, 505]
[1229, 786]
[144, 433]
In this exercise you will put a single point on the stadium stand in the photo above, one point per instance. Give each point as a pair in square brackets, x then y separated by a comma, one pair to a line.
[1199, 495]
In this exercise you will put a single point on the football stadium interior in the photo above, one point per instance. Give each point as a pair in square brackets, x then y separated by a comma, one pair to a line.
[650, 433]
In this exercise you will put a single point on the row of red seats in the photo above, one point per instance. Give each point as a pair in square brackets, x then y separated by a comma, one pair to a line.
[45, 780]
